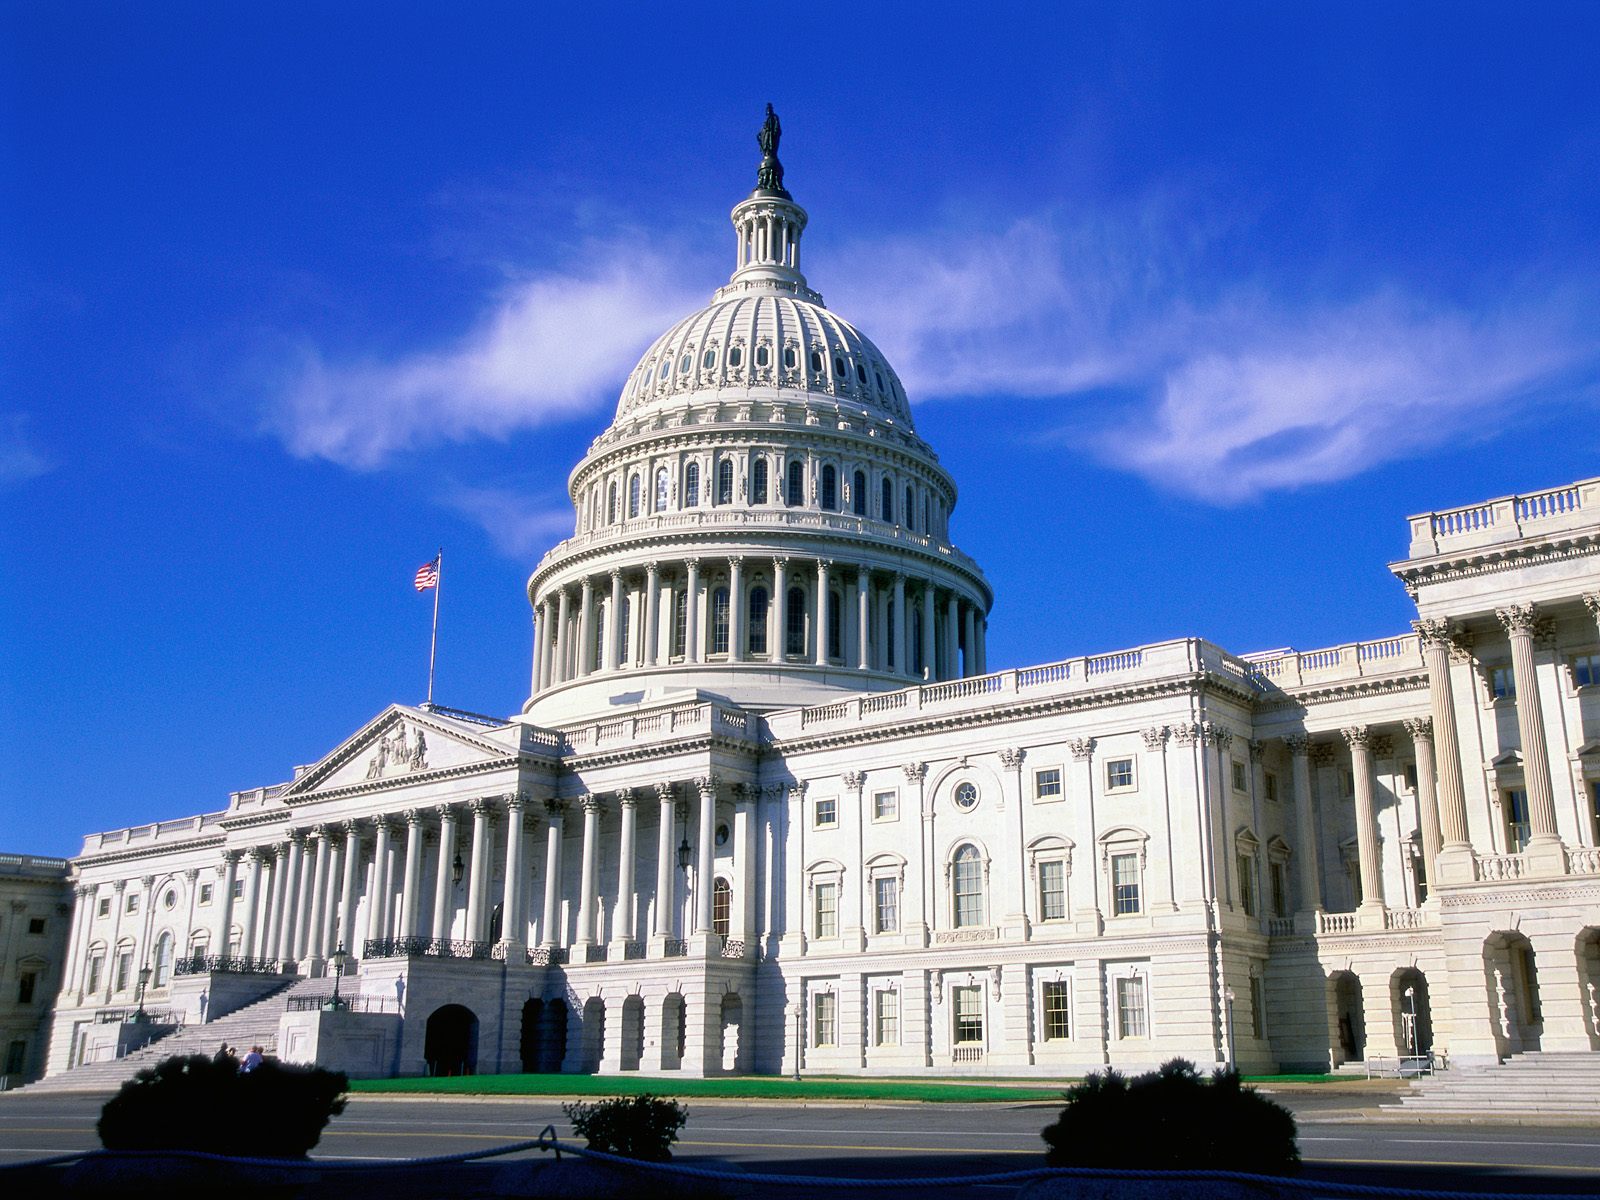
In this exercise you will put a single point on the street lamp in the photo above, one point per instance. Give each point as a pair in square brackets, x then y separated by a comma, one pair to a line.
[139, 1014]
[338, 958]
[799, 1037]
[456, 869]
[1227, 997]
[684, 852]
[1411, 1020]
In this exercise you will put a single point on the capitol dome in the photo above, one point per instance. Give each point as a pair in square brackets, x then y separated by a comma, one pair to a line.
[760, 521]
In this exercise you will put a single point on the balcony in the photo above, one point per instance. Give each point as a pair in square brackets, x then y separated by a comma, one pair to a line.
[1507, 519]
[417, 947]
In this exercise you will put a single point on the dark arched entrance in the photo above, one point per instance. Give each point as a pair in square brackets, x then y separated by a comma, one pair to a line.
[554, 1042]
[451, 1043]
[532, 1035]
[1349, 1023]
[1413, 1012]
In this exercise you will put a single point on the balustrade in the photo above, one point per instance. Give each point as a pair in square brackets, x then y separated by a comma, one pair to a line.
[420, 947]
[206, 964]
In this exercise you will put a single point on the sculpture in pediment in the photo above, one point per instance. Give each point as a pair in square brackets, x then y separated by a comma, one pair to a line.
[398, 750]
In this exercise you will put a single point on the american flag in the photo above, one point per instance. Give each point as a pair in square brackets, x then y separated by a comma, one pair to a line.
[427, 576]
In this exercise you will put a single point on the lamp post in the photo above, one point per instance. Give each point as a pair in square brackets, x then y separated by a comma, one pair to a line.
[457, 868]
[139, 1015]
[1411, 1020]
[1227, 999]
[338, 959]
[799, 1036]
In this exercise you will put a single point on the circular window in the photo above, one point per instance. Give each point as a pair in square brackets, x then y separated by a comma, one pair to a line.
[170, 900]
[967, 797]
[722, 835]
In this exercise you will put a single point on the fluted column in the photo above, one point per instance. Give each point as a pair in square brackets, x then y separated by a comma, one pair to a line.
[863, 618]
[929, 650]
[613, 630]
[1305, 823]
[705, 866]
[347, 893]
[1421, 731]
[736, 629]
[289, 894]
[302, 908]
[1519, 621]
[952, 637]
[248, 936]
[325, 933]
[1454, 843]
[563, 668]
[319, 888]
[513, 917]
[822, 615]
[664, 856]
[411, 884]
[652, 613]
[541, 647]
[691, 613]
[80, 905]
[586, 663]
[902, 627]
[550, 930]
[983, 645]
[1359, 739]
[377, 898]
[478, 879]
[272, 924]
[778, 638]
[591, 850]
[444, 884]
[226, 871]
[622, 926]
[970, 634]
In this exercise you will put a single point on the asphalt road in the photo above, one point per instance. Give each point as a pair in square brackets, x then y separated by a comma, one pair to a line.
[881, 1141]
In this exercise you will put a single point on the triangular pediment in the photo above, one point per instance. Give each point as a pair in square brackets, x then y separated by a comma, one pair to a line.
[1588, 750]
[1510, 760]
[399, 745]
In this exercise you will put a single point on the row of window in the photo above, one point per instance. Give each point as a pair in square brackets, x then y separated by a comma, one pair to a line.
[169, 899]
[1500, 682]
[680, 368]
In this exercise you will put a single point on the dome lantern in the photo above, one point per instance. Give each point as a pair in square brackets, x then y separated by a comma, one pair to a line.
[769, 223]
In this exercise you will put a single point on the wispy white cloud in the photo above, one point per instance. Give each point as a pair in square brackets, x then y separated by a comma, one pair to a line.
[21, 459]
[520, 525]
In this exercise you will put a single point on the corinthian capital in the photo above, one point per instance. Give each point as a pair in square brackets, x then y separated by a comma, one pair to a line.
[1155, 737]
[592, 803]
[1518, 619]
[916, 771]
[1356, 736]
[626, 797]
[1420, 729]
[1082, 748]
[854, 779]
[1434, 631]
[1012, 757]
[1298, 744]
[1592, 603]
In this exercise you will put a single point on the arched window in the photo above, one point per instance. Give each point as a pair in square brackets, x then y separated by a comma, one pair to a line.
[858, 494]
[736, 356]
[888, 634]
[763, 355]
[927, 514]
[817, 366]
[794, 638]
[966, 879]
[916, 641]
[719, 620]
[633, 496]
[721, 907]
[789, 357]
[611, 504]
[830, 488]
[691, 485]
[708, 359]
[797, 484]
[758, 482]
[725, 481]
[911, 508]
[622, 629]
[680, 621]
[661, 490]
[757, 625]
[162, 974]
[887, 508]
[598, 650]
[835, 627]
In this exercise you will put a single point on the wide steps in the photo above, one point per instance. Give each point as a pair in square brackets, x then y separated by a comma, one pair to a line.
[1531, 1086]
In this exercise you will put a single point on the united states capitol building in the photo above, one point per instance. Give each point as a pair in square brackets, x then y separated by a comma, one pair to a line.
[767, 809]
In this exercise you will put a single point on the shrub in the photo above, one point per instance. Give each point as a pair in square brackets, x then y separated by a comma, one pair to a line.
[275, 1111]
[1172, 1119]
[642, 1127]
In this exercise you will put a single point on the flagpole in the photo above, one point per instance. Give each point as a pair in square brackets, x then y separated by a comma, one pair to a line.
[433, 646]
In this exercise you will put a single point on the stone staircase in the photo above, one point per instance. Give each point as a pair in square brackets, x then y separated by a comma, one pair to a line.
[253, 1025]
[1562, 1088]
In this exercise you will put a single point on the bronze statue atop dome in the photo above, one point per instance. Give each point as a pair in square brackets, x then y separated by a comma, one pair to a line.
[769, 177]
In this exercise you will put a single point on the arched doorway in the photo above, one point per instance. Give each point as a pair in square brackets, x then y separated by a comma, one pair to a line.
[632, 1017]
[1511, 974]
[532, 1042]
[1413, 1012]
[554, 1041]
[1350, 1032]
[732, 1029]
[450, 1045]
[1588, 951]
[594, 1035]
[496, 923]
[674, 1027]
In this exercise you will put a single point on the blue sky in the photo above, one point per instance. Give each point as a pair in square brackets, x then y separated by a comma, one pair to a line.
[1196, 303]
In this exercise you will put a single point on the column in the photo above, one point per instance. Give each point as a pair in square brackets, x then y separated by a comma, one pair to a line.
[284, 950]
[863, 618]
[541, 640]
[902, 627]
[1544, 843]
[822, 613]
[736, 630]
[411, 885]
[1421, 731]
[513, 917]
[952, 637]
[219, 931]
[622, 926]
[550, 930]
[691, 610]
[983, 645]
[705, 866]
[563, 663]
[302, 911]
[1359, 739]
[1309, 872]
[478, 878]
[80, 904]
[347, 892]
[1454, 842]
[314, 949]
[586, 663]
[929, 653]
[664, 855]
[652, 613]
[969, 630]
[613, 630]
[267, 944]
[444, 884]
[780, 609]
[325, 935]
[248, 939]
[376, 898]
[591, 849]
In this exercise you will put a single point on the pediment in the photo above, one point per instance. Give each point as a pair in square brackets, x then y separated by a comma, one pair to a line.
[1588, 750]
[399, 745]
[1508, 761]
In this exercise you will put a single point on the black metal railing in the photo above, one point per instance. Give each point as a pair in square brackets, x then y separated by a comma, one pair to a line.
[732, 947]
[418, 947]
[595, 953]
[633, 950]
[357, 1003]
[143, 1016]
[677, 948]
[546, 956]
[206, 964]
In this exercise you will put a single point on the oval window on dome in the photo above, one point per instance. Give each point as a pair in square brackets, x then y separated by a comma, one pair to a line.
[838, 364]
[736, 356]
[790, 358]
[666, 368]
[763, 356]
[879, 375]
[686, 362]
[817, 365]
[709, 359]
[861, 373]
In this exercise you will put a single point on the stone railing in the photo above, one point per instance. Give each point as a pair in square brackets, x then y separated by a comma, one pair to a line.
[967, 1054]
[660, 725]
[1280, 926]
[1405, 918]
[419, 947]
[161, 832]
[1493, 868]
[1336, 923]
[208, 964]
[1353, 660]
[1505, 519]
[31, 864]
[1583, 860]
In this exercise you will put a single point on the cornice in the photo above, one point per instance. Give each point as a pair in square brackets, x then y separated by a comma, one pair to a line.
[113, 857]
[1490, 560]
[358, 742]
[415, 779]
[1344, 689]
[654, 750]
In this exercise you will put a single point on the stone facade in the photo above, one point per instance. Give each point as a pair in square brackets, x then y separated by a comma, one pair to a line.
[35, 907]
[767, 809]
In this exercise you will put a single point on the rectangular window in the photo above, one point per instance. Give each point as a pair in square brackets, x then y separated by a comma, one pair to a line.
[1132, 1020]
[35, 926]
[885, 1018]
[1047, 784]
[238, 889]
[1119, 774]
[96, 966]
[1247, 884]
[827, 811]
[886, 902]
[1502, 683]
[205, 893]
[1280, 892]
[1258, 1008]
[969, 1014]
[124, 970]
[1053, 890]
[1411, 777]
[1518, 829]
[1054, 998]
[25, 985]
[130, 902]
[104, 907]
[1124, 884]
[825, 1022]
[1586, 670]
[827, 901]
[1269, 785]
[1239, 783]
[885, 806]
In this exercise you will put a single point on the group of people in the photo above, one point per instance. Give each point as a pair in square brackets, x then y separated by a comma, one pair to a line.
[227, 1056]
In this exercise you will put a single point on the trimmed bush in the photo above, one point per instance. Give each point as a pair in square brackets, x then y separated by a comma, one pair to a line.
[642, 1127]
[275, 1111]
[1172, 1119]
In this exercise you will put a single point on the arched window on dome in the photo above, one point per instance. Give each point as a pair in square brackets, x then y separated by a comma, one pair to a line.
[835, 626]
[790, 357]
[735, 356]
[763, 355]
[725, 481]
[597, 650]
[916, 641]
[691, 485]
[686, 362]
[886, 508]
[611, 503]
[758, 481]
[756, 632]
[666, 368]
[794, 637]
[708, 359]
[858, 493]
[633, 496]
[719, 620]
[818, 363]
[830, 488]
[911, 508]
[680, 621]
[797, 484]
[661, 489]
[838, 366]
[861, 374]
[624, 620]
[966, 887]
